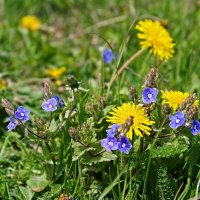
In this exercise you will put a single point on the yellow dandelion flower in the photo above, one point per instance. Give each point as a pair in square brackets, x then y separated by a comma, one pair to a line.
[56, 72]
[31, 23]
[156, 38]
[175, 98]
[141, 121]
[2, 84]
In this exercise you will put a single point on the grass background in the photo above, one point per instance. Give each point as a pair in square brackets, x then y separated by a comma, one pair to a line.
[78, 30]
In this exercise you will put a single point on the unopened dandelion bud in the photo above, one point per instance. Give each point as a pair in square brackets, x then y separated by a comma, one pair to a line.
[47, 89]
[166, 109]
[73, 132]
[151, 78]
[8, 107]
[72, 82]
[133, 93]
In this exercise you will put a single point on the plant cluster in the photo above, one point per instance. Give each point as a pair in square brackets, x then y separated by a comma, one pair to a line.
[140, 144]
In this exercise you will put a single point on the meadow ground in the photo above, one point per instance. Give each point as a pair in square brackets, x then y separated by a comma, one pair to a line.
[61, 155]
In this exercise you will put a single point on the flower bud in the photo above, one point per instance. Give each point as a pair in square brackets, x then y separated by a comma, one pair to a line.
[72, 82]
[102, 103]
[47, 89]
[151, 78]
[8, 106]
[133, 93]
[190, 114]
[73, 132]
[166, 109]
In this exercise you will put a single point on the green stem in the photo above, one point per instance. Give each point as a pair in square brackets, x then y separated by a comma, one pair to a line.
[102, 79]
[149, 160]
[124, 66]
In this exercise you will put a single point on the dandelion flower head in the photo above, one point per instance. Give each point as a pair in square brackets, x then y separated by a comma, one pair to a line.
[175, 98]
[2, 84]
[56, 72]
[141, 121]
[155, 37]
[30, 22]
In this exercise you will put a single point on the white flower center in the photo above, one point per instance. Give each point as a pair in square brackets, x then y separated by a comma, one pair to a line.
[50, 106]
[110, 143]
[177, 121]
[123, 145]
[149, 96]
[22, 114]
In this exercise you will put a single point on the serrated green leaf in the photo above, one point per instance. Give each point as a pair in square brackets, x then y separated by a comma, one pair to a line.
[169, 150]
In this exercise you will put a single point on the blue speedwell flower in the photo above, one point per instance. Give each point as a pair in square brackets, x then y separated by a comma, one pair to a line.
[176, 120]
[49, 105]
[22, 113]
[113, 130]
[124, 145]
[110, 143]
[108, 56]
[149, 95]
[195, 127]
[12, 124]
[59, 101]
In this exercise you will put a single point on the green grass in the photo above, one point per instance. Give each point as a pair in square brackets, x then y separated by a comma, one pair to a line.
[76, 30]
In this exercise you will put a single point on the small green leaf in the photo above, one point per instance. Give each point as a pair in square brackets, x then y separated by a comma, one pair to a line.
[26, 192]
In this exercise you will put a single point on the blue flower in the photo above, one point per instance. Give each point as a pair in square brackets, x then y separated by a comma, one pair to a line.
[110, 143]
[114, 128]
[176, 120]
[108, 56]
[124, 145]
[22, 113]
[49, 105]
[59, 101]
[149, 95]
[195, 127]
[12, 124]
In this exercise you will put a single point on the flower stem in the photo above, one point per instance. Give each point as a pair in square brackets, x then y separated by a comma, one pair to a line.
[124, 66]
[47, 144]
[149, 160]
[50, 120]
[29, 130]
